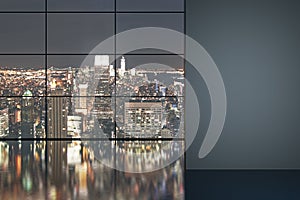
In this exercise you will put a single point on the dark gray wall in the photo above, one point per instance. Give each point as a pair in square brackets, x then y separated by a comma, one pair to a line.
[256, 45]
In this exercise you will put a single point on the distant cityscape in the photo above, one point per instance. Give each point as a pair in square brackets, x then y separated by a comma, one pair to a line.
[92, 102]
[76, 125]
[97, 101]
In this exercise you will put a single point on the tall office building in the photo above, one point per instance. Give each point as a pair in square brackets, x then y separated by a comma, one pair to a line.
[102, 76]
[123, 66]
[82, 99]
[27, 115]
[57, 113]
[111, 71]
[143, 119]
[81, 109]
[103, 92]
[4, 122]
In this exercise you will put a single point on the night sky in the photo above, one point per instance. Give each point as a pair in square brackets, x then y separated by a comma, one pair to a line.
[77, 33]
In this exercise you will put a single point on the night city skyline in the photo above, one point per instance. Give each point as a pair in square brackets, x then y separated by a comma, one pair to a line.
[88, 103]
[80, 123]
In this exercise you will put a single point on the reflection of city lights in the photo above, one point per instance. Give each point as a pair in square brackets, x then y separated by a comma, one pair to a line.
[91, 173]
[18, 165]
[3, 155]
[52, 193]
[83, 179]
[27, 182]
[82, 171]
[36, 157]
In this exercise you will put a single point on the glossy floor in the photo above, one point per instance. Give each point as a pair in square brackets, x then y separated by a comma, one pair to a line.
[90, 170]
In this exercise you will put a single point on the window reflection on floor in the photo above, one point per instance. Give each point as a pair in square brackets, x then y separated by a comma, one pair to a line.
[83, 170]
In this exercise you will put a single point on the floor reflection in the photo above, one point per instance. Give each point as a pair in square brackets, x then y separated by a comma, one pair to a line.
[86, 170]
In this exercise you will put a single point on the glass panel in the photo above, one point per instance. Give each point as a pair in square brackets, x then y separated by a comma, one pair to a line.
[155, 118]
[82, 75]
[22, 117]
[166, 182]
[137, 20]
[153, 5]
[22, 33]
[22, 170]
[55, 170]
[22, 75]
[21, 5]
[150, 75]
[81, 5]
[80, 117]
[73, 171]
[79, 33]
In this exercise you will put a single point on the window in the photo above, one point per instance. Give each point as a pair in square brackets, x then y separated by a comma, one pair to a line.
[90, 114]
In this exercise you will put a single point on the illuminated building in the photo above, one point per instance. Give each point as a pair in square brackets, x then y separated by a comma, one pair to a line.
[27, 115]
[103, 93]
[4, 126]
[74, 126]
[143, 119]
[111, 71]
[57, 112]
[82, 100]
[123, 67]
[102, 76]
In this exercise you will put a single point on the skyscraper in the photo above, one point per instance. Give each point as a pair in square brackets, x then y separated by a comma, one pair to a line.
[57, 113]
[143, 119]
[103, 93]
[102, 76]
[82, 100]
[123, 66]
[27, 115]
[4, 122]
